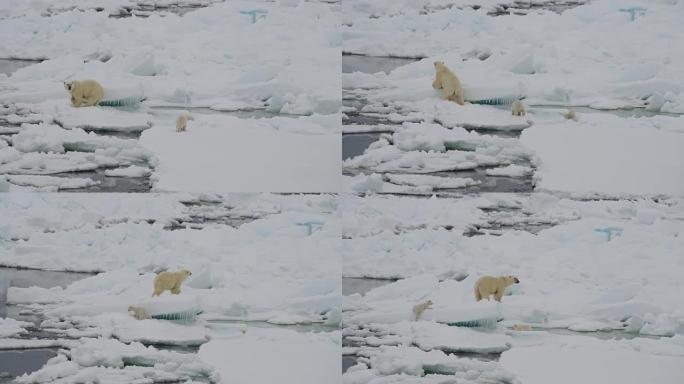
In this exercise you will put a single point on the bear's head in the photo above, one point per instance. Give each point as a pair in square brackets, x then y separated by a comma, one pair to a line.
[428, 303]
[512, 280]
[185, 273]
[68, 85]
[440, 66]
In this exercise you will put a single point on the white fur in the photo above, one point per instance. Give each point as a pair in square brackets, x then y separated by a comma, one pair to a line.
[170, 281]
[418, 309]
[486, 286]
[139, 313]
[518, 109]
[84, 93]
[448, 82]
[521, 327]
[182, 122]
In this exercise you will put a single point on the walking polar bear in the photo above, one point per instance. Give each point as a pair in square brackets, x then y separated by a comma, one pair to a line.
[170, 281]
[490, 285]
[85, 93]
[447, 81]
[182, 122]
[418, 309]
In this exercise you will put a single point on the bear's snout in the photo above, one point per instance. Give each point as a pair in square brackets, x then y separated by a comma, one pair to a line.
[517, 281]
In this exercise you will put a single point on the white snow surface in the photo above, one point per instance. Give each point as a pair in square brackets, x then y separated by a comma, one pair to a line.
[286, 76]
[293, 357]
[609, 155]
[130, 171]
[565, 360]
[279, 267]
[422, 148]
[110, 360]
[225, 153]
[46, 183]
[630, 281]
[193, 65]
[12, 328]
[606, 266]
[592, 55]
[47, 149]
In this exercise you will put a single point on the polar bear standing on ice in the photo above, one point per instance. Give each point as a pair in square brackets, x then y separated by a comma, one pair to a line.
[85, 93]
[448, 82]
[490, 285]
[182, 122]
[170, 281]
[518, 109]
[418, 309]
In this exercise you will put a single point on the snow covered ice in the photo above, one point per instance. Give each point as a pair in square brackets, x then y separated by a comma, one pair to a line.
[572, 277]
[577, 58]
[334, 212]
[264, 94]
[585, 212]
[260, 263]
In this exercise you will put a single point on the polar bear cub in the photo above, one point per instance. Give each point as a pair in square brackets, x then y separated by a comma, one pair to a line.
[518, 109]
[139, 313]
[490, 285]
[182, 122]
[84, 93]
[447, 81]
[571, 115]
[170, 281]
[418, 309]
[521, 327]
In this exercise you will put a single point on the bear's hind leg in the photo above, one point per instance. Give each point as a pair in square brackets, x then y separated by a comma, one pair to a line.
[483, 294]
[459, 97]
[478, 297]
[90, 101]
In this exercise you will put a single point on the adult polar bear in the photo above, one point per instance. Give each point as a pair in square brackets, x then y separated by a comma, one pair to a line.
[447, 81]
[170, 281]
[84, 93]
[486, 286]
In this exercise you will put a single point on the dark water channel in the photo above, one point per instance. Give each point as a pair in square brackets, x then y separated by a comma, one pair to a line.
[16, 362]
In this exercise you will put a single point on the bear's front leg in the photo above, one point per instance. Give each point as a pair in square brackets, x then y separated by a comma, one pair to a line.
[74, 102]
[175, 290]
[498, 295]
[436, 84]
